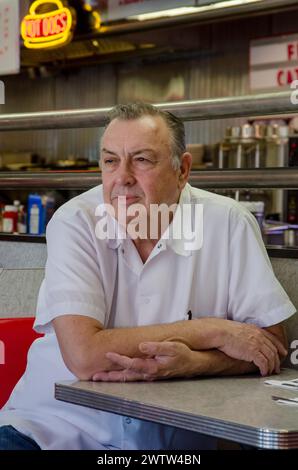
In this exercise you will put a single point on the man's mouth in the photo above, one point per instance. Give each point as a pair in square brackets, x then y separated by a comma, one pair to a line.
[127, 199]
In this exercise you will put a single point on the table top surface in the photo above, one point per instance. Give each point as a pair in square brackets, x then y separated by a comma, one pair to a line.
[236, 408]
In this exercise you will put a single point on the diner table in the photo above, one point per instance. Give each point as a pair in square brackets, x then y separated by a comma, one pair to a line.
[236, 408]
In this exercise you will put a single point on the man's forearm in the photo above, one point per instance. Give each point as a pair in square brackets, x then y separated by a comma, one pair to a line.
[217, 363]
[197, 334]
[168, 359]
[247, 343]
[84, 343]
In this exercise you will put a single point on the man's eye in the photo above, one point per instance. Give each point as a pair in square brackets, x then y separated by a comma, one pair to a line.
[142, 161]
[109, 161]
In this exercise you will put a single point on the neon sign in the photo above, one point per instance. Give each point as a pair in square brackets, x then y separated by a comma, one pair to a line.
[47, 30]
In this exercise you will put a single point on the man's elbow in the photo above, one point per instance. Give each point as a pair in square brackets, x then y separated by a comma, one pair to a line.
[83, 347]
[84, 366]
[82, 372]
[78, 367]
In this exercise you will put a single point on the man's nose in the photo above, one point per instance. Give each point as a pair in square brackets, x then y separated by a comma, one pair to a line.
[125, 176]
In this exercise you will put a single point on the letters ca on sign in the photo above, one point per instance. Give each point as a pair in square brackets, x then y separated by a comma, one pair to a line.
[42, 28]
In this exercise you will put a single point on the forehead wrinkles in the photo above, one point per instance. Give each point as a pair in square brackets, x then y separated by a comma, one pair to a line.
[131, 135]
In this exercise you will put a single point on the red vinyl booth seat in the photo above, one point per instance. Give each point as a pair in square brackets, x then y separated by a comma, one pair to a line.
[16, 337]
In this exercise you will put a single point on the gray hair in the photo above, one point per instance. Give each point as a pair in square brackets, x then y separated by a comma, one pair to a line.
[174, 124]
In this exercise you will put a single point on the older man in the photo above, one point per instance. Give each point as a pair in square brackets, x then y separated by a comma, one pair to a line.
[118, 308]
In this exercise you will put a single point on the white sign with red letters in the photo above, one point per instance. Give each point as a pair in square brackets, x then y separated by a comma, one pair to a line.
[9, 37]
[273, 62]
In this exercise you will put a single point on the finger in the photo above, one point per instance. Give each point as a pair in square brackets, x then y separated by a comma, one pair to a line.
[270, 345]
[131, 376]
[270, 351]
[277, 365]
[136, 364]
[100, 376]
[261, 362]
[164, 348]
[270, 356]
[275, 355]
[281, 349]
[146, 366]
[164, 361]
[118, 376]
[124, 362]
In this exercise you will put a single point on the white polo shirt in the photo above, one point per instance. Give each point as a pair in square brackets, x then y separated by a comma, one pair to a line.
[229, 277]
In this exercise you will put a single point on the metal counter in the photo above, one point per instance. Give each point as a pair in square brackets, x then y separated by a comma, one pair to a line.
[236, 408]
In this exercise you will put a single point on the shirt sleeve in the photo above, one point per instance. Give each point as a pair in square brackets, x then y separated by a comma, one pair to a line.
[73, 280]
[255, 295]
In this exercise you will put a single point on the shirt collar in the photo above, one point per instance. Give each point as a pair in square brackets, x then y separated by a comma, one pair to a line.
[117, 231]
[172, 238]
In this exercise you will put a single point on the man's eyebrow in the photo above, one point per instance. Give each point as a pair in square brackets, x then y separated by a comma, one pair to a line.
[131, 154]
[147, 150]
[108, 151]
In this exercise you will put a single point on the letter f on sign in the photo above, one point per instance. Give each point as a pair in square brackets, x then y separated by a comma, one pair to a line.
[290, 51]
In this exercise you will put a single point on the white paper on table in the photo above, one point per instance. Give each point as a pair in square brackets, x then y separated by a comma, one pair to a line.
[287, 401]
[288, 384]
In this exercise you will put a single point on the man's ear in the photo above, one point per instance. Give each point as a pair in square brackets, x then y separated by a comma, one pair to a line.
[185, 168]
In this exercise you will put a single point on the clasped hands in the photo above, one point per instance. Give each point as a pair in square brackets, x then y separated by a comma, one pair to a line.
[161, 360]
[168, 359]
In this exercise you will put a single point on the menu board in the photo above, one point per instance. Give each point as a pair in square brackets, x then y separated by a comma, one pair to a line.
[9, 37]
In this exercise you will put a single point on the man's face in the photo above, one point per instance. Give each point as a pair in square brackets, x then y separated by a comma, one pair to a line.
[136, 163]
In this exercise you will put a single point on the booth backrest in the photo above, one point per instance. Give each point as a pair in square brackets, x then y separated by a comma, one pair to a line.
[16, 336]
